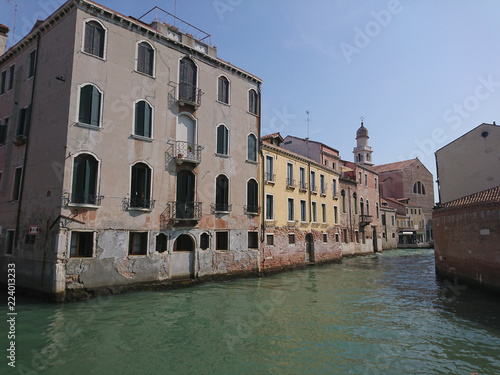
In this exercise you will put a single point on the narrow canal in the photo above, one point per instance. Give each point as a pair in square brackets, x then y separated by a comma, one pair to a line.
[381, 314]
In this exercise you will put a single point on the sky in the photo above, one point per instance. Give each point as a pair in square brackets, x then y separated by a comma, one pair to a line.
[420, 72]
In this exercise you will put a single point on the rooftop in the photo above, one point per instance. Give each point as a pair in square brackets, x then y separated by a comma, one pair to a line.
[486, 196]
[399, 165]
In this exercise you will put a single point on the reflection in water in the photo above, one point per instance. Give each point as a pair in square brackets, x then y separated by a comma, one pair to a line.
[381, 314]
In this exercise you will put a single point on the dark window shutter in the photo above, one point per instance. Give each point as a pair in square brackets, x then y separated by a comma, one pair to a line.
[96, 106]
[147, 120]
[89, 37]
[139, 118]
[85, 104]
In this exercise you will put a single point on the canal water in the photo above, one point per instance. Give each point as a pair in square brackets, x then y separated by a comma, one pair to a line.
[380, 314]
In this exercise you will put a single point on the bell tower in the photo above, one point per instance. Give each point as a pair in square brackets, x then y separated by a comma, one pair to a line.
[362, 152]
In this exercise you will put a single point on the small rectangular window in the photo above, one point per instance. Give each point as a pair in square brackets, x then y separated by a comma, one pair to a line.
[269, 207]
[356, 236]
[270, 239]
[336, 214]
[314, 213]
[313, 181]
[253, 240]
[23, 122]
[323, 213]
[303, 214]
[17, 184]
[82, 244]
[222, 241]
[366, 180]
[31, 63]
[3, 82]
[291, 213]
[138, 243]
[4, 126]
[10, 81]
[291, 238]
[325, 237]
[337, 239]
[9, 242]
[344, 234]
[302, 176]
[392, 217]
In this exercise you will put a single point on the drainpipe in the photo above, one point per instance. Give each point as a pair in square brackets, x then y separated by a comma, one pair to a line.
[262, 221]
[26, 147]
[309, 194]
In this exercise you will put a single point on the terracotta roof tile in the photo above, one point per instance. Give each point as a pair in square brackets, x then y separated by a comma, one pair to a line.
[486, 196]
[392, 166]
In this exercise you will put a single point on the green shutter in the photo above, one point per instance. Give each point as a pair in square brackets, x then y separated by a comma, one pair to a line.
[96, 106]
[85, 104]
[147, 120]
[139, 118]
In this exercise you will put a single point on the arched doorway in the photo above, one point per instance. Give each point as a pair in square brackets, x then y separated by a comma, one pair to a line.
[309, 248]
[183, 257]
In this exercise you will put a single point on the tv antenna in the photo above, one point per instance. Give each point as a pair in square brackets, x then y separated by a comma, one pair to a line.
[15, 20]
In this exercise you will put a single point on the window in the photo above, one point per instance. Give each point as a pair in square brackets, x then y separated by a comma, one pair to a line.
[223, 90]
[9, 242]
[252, 148]
[419, 212]
[342, 194]
[314, 212]
[23, 121]
[145, 58]
[222, 241]
[269, 207]
[204, 241]
[392, 217]
[222, 140]
[140, 187]
[16, 188]
[393, 235]
[183, 243]
[10, 81]
[344, 235]
[253, 102]
[31, 64]
[419, 188]
[335, 214]
[269, 168]
[337, 239]
[291, 212]
[355, 203]
[368, 157]
[302, 176]
[334, 187]
[313, 181]
[84, 189]
[188, 81]
[367, 207]
[376, 183]
[252, 196]
[303, 214]
[90, 105]
[366, 180]
[325, 237]
[161, 243]
[94, 39]
[222, 193]
[323, 212]
[270, 239]
[322, 184]
[82, 244]
[289, 175]
[356, 236]
[4, 127]
[138, 243]
[291, 238]
[360, 178]
[376, 209]
[3, 81]
[253, 240]
[143, 119]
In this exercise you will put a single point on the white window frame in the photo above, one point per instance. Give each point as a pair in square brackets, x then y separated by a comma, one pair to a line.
[228, 90]
[137, 58]
[141, 137]
[265, 210]
[101, 108]
[288, 209]
[104, 53]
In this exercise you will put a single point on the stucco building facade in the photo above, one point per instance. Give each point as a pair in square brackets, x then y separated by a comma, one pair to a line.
[129, 155]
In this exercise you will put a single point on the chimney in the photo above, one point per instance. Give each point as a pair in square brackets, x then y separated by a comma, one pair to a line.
[4, 30]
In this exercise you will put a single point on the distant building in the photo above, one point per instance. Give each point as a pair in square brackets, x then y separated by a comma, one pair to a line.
[301, 219]
[128, 155]
[388, 226]
[469, 164]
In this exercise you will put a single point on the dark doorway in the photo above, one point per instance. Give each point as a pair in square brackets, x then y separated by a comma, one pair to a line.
[375, 248]
[184, 206]
[309, 248]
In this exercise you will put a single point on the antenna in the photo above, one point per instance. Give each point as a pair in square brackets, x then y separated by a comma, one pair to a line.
[175, 10]
[15, 19]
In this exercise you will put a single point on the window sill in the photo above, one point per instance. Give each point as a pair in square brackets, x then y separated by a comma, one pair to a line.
[225, 156]
[103, 59]
[80, 257]
[88, 126]
[252, 162]
[83, 205]
[141, 138]
[253, 114]
[144, 74]
[226, 104]
[138, 255]
[140, 209]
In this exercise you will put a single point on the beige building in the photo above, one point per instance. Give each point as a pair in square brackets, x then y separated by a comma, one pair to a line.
[469, 164]
[129, 154]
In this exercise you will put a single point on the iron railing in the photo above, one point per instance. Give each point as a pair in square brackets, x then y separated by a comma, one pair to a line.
[251, 210]
[189, 94]
[324, 188]
[303, 185]
[290, 183]
[270, 177]
[221, 207]
[137, 202]
[185, 210]
[187, 152]
[91, 199]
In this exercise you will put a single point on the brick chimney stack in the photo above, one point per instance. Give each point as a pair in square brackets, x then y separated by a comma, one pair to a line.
[4, 30]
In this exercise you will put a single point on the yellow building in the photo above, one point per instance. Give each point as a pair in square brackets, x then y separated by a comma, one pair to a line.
[300, 215]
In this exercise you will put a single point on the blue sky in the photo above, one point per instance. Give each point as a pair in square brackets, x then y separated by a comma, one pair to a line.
[421, 73]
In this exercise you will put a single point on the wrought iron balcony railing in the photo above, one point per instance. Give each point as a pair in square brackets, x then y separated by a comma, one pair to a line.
[89, 199]
[251, 210]
[189, 94]
[324, 188]
[185, 210]
[140, 203]
[187, 152]
[303, 185]
[221, 207]
[270, 177]
[290, 183]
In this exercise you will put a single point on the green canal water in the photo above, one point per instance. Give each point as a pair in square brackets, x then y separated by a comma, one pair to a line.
[380, 314]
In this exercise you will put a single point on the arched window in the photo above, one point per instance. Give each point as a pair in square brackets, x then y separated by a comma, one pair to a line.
[145, 58]
[90, 105]
[223, 90]
[204, 241]
[367, 207]
[143, 119]
[222, 140]
[95, 36]
[184, 243]
[84, 189]
[188, 81]
[252, 148]
[253, 102]
[419, 188]
[252, 197]
[140, 187]
[222, 194]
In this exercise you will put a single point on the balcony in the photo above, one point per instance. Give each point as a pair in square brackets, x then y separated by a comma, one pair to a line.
[290, 183]
[251, 210]
[139, 204]
[189, 95]
[313, 189]
[323, 189]
[221, 208]
[302, 186]
[184, 211]
[365, 220]
[92, 200]
[270, 178]
[187, 152]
